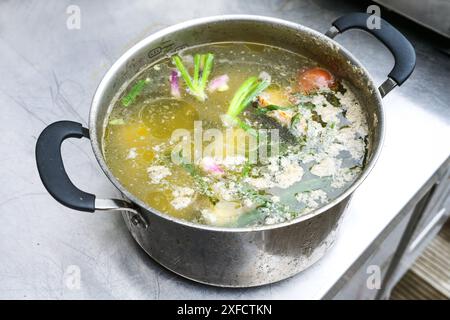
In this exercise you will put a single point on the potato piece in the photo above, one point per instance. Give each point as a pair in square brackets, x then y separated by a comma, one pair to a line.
[223, 213]
[274, 96]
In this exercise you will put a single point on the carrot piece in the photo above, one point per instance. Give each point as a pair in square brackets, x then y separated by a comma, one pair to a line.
[313, 79]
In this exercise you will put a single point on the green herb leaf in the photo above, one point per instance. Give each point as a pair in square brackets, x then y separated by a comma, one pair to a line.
[255, 91]
[270, 107]
[308, 105]
[202, 186]
[296, 118]
[134, 92]
[249, 89]
[236, 106]
[206, 70]
[246, 169]
[304, 186]
[247, 128]
[332, 99]
[203, 64]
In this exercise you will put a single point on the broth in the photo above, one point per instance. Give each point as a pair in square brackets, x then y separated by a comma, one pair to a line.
[311, 126]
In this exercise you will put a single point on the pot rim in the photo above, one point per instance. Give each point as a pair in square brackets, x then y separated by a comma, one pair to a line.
[110, 74]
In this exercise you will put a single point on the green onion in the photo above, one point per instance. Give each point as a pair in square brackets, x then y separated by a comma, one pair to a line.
[245, 126]
[255, 91]
[246, 169]
[134, 92]
[270, 107]
[206, 71]
[250, 88]
[203, 64]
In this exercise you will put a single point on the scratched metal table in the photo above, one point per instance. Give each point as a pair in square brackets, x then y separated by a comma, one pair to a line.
[49, 73]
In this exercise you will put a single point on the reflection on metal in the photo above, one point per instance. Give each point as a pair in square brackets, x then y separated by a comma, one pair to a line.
[121, 205]
[432, 14]
[332, 32]
[387, 86]
[402, 247]
[435, 221]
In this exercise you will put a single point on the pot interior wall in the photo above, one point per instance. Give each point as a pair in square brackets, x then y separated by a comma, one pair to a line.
[258, 30]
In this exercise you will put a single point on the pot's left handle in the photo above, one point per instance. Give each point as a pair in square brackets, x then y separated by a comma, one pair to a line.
[54, 176]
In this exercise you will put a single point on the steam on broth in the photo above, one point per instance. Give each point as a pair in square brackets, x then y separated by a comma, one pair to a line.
[236, 135]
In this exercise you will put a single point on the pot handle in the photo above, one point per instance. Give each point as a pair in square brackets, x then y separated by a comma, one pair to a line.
[400, 47]
[54, 176]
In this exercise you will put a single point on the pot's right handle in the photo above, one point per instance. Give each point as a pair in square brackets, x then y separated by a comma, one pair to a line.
[56, 181]
[400, 47]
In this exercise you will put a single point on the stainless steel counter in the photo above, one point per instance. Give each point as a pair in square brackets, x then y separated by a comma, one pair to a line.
[49, 73]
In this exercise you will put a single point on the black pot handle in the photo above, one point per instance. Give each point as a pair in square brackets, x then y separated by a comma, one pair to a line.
[51, 168]
[56, 181]
[400, 47]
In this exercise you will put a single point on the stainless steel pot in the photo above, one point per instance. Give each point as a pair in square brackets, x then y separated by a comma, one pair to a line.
[238, 257]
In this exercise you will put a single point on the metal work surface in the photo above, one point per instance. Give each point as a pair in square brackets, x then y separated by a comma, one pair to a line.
[50, 73]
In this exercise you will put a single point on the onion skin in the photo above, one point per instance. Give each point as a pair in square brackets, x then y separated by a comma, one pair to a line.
[175, 84]
[219, 83]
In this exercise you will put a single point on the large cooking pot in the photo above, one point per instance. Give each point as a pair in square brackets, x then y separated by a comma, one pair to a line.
[238, 257]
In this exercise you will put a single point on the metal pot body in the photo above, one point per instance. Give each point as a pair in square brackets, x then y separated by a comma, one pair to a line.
[222, 256]
[237, 259]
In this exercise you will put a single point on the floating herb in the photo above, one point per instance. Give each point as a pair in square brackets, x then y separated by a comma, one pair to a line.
[295, 119]
[304, 186]
[271, 107]
[246, 169]
[339, 87]
[318, 118]
[134, 92]
[332, 99]
[308, 105]
[203, 64]
[116, 122]
[251, 88]
[202, 185]
[246, 127]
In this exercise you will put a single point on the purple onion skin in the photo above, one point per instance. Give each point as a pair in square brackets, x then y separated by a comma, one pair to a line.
[175, 84]
[218, 82]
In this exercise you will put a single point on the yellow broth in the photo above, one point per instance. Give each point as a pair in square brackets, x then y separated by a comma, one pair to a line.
[137, 141]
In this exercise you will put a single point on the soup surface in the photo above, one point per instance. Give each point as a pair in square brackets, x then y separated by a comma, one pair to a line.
[236, 135]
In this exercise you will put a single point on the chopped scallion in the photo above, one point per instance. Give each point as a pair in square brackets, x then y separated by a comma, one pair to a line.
[134, 92]
[250, 88]
[203, 64]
